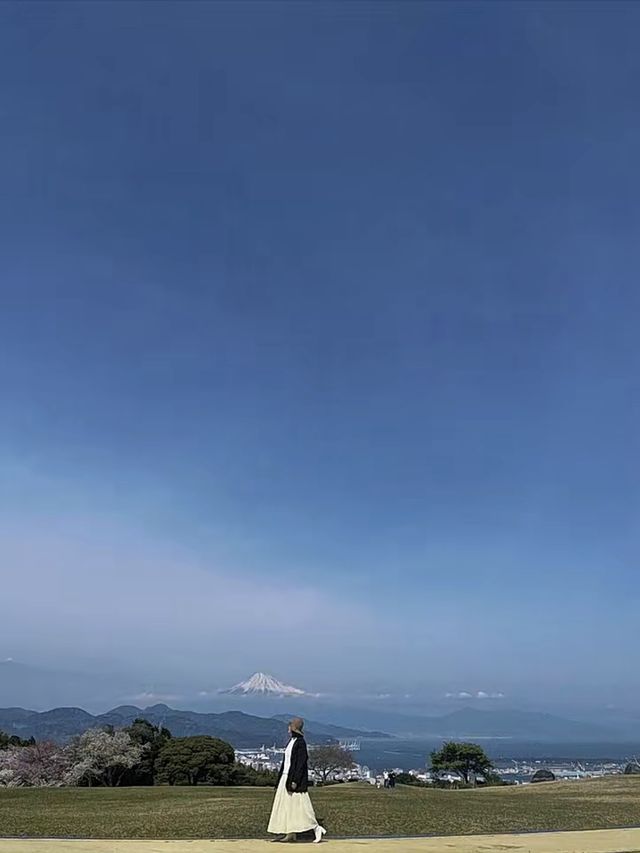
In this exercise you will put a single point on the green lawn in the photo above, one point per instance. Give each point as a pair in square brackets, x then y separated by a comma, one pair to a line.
[348, 810]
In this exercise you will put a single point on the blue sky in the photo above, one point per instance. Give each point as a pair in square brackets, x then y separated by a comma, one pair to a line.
[329, 303]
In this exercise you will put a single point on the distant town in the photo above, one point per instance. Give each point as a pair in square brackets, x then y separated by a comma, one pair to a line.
[514, 772]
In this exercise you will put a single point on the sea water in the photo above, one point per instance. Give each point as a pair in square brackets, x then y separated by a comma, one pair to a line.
[413, 754]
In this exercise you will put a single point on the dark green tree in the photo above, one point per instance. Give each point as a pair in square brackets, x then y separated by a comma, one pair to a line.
[463, 758]
[152, 737]
[543, 775]
[493, 779]
[195, 760]
[243, 775]
[13, 740]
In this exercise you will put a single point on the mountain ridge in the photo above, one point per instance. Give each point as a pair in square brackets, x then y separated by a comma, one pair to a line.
[514, 724]
[247, 730]
[236, 727]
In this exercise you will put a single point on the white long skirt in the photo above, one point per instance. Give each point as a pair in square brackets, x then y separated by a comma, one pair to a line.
[291, 812]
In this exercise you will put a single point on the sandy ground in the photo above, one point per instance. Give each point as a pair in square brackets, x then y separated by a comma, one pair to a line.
[602, 841]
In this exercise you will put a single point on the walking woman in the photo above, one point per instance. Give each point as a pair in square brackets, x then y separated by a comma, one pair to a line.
[292, 810]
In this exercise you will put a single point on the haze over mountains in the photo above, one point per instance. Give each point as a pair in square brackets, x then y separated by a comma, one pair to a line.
[254, 710]
[242, 730]
[246, 730]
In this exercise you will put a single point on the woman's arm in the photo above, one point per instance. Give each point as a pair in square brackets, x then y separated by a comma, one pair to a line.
[298, 774]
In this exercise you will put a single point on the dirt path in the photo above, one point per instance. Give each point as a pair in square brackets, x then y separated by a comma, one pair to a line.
[602, 841]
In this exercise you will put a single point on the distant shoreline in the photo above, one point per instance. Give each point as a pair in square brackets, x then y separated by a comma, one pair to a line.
[412, 753]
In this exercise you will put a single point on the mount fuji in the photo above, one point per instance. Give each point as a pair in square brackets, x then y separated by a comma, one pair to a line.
[261, 684]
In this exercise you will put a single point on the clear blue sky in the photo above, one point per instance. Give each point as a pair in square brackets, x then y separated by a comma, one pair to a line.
[330, 303]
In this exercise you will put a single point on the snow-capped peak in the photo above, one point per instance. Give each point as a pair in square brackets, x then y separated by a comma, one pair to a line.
[262, 684]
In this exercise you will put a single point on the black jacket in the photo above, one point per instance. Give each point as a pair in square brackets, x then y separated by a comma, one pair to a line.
[298, 776]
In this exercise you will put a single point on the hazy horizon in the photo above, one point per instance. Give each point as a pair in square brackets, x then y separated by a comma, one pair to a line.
[319, 351]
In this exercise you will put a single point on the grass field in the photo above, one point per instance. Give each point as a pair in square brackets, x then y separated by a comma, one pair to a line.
[348, 810]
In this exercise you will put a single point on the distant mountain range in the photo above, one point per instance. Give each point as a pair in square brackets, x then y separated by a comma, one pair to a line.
[470, 723]
[247, 730]
[252, 712]
[236, 727]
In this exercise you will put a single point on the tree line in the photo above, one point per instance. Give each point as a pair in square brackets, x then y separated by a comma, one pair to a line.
[140, 754]
[470, 760]
[467, 760]
[145, 754]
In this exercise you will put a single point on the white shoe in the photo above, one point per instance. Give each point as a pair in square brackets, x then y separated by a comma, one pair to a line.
[319, 831]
